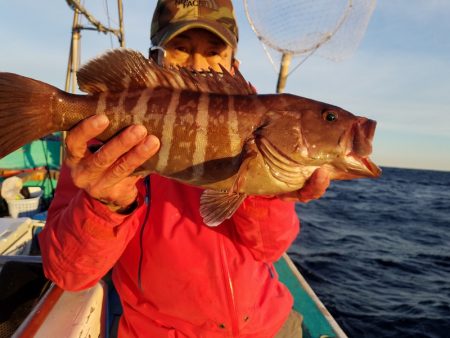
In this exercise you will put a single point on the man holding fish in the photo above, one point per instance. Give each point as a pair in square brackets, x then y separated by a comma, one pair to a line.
[176, 276]
[186, 198]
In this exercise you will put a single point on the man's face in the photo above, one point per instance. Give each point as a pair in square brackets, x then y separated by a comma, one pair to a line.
[198, 49]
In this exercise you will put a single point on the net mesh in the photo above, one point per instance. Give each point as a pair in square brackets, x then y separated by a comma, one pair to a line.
[301, 27]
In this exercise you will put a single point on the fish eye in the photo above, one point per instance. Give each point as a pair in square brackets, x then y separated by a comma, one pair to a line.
[330, 116]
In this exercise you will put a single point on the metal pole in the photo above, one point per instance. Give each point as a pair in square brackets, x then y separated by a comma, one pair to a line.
[75, 57]
[284, 68]
[71, 69]
[71, 59]
[121, 34]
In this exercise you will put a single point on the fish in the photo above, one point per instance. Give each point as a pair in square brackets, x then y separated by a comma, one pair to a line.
[215, 131]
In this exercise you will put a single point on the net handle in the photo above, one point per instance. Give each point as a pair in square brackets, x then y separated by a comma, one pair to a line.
[284, 70]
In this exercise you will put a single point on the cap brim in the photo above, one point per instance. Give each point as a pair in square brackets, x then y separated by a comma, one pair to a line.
[176, 28]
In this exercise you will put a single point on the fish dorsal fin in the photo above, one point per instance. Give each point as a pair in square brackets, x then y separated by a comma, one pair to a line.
[126, 69]
[217, 206]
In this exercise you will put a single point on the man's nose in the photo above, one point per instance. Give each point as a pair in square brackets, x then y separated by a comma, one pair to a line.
[199, 62]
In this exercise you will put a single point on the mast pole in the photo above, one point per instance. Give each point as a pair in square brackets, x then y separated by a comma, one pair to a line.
[73, 52]
[121, 32]
[74, 57]
[72, 65]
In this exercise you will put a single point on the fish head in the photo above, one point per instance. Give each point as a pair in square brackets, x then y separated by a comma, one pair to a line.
[313, 134]
[341, 141]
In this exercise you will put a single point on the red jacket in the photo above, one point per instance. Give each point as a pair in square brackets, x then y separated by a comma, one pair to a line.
[176, 277]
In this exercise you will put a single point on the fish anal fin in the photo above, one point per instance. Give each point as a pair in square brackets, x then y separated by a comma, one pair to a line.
[217, 206]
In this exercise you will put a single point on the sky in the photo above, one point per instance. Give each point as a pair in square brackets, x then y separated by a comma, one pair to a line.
[399, 75]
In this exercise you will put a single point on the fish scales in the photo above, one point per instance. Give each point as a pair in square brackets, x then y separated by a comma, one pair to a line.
[220, 156]
[115, 109]
[153, 113]
[201, 137]
[195, 136]
[131, 100]
[137, 105]
[215, 132]
[219, 137]
[183, 146]
[233, 127]
[101, 103]
[167, 131]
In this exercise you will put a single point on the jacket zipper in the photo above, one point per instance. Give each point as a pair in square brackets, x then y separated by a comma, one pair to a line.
[230, 289]
[141, 233]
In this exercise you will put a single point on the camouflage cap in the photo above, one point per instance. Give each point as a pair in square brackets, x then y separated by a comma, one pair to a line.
[173, 17]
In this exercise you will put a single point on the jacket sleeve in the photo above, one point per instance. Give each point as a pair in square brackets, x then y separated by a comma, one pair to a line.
[82, 239]
[266, 226]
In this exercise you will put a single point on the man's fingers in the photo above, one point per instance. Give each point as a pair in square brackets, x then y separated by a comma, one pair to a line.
[129, 162]
[78, 137]
[116, 147]
[313, 189]
[316, 186]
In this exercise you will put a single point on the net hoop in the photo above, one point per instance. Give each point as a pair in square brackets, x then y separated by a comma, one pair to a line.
[294, 52]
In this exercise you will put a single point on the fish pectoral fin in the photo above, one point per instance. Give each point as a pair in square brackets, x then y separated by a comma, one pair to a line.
[250, 152]
[217, 206]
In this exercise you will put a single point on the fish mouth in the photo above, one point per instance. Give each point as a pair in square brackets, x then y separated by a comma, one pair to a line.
[371, 167]
[359, 147]
[357, 166]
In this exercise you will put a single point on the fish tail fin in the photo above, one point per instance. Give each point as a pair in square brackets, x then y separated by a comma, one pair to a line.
[25, 111]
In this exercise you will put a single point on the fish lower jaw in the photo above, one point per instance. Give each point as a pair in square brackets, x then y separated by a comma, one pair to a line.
[372, 167]
[356, 166]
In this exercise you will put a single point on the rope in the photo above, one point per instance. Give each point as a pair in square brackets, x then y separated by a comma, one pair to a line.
[109, 21]
[75, 5]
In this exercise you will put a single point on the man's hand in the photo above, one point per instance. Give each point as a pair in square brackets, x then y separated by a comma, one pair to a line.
[313, 189]
[106, 174]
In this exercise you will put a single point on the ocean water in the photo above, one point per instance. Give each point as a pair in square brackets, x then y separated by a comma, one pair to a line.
[377, 253]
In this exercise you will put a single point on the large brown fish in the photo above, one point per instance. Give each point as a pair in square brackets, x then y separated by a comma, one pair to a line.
[215, 132]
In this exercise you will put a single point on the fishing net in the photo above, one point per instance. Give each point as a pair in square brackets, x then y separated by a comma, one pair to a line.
[299, 28]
